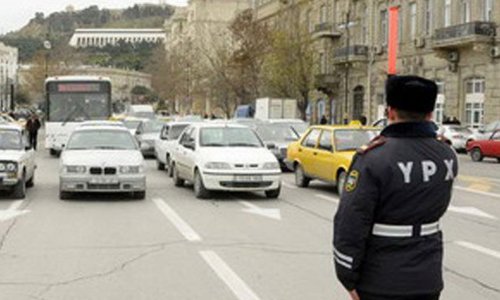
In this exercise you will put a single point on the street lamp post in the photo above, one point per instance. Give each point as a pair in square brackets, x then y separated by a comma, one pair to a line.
[348, 41]
[47, 45]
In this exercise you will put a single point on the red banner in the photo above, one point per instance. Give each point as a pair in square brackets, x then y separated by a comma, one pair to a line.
[392, 52]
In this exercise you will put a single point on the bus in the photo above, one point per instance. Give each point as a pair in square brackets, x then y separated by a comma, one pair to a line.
[71, 100]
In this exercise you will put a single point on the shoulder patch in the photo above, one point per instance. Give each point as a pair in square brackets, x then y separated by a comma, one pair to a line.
[375, 143]
[351, 182]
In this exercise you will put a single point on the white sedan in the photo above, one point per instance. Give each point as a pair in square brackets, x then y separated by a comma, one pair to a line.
[17, 161]
[166, 144]
[102, 159]
[225, 157]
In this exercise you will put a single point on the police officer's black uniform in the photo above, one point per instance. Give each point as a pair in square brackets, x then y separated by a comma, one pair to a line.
[387, 241]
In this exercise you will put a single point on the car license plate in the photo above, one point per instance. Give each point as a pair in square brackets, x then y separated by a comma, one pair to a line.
[248, 178]
[103, 181]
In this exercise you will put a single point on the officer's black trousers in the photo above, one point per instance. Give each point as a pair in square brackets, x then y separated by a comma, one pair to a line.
[365, 296]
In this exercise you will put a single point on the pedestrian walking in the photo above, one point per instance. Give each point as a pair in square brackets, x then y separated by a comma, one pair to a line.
[387, 239]
[323, 120]
[32, 127]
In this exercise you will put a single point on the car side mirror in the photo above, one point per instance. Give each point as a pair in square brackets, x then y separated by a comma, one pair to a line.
[189, 145]
[270, 146]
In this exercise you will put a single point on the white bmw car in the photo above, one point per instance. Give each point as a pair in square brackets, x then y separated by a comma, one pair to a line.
[104, 159]
[225, 157]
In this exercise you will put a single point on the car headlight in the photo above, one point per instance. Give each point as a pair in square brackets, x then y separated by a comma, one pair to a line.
[271, 166]
[217, 166]
[11, 167]
[76, 169]
[131, 169]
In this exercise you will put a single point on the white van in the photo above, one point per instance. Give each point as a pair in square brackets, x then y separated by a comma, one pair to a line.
[142, 111]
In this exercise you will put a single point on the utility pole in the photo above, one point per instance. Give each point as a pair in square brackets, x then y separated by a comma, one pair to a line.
[347, 65]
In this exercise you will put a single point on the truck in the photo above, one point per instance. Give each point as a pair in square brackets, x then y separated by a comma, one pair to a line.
[268, 109]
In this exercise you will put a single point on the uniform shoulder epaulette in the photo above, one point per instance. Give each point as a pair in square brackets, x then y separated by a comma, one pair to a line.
[375, 143]
[443, 139]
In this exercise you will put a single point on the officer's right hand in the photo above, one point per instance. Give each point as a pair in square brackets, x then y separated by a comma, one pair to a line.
[354, 295]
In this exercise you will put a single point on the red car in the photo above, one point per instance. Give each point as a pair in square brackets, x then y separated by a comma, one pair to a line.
[485, 148]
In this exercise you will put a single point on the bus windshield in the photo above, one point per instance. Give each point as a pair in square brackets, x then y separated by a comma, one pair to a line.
[78, 107]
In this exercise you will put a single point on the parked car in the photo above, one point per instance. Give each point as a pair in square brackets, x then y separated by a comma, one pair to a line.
[17, 161]
[165, 145]
[147, 134]
[225, 157]
[142, 112]
[484, 133]
[132, 124]
[457, 135]
[485, 148]
[326, 153]
[298, 125]
[277, 137]
[103, 159]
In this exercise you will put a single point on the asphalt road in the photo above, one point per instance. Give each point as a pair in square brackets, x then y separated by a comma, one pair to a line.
[237, 246]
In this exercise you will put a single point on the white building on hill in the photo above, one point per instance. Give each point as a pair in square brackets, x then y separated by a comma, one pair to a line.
[111, 36]
[8, 74]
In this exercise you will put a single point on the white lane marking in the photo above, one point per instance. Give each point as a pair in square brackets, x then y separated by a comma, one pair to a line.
[272, 213]
[230, 278]
[177, 221]
[334, 200]
[467, 210]
[288, 185]
[478, 248]
[460, 188]
[13, 211]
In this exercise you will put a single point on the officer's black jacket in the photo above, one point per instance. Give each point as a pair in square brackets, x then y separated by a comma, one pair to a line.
[377, 191]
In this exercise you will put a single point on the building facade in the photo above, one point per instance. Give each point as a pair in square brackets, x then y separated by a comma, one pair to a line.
[453, 42]
[8, 75]
[83, 38]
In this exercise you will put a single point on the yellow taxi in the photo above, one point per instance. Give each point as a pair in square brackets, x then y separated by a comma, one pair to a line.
[326, 153]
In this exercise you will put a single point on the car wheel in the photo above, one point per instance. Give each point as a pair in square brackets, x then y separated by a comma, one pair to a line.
[170, 167]
[301, 180]
[31, 182]
[139, 195]
[65, 195]
[159, 165]
[476, 154]
[53, 152]
[178, 182]
[199, 188]
[273, 194]
[341, 182]
[19, 191]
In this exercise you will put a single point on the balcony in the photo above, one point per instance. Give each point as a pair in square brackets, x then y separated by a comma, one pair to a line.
[355, 53]
[325, 82]
[325, 30]
[464, 35]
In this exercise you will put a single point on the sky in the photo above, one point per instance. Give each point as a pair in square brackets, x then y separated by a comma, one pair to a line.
[14, 14]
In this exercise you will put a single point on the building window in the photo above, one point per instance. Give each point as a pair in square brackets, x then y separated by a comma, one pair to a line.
[465, 11]
[474, 102]
[364, 26]
[488, 10]
[413, 20]
[447, 13]
[323, 14]
[384, 27]
[322, 63]
[440, 103]
[428, 9]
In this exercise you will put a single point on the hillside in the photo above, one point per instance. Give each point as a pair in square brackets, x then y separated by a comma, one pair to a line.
[59, 26]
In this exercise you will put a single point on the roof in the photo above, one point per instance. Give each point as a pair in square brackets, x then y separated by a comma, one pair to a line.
[340, 127]
[218, 125]
[77, 78]
[119, 30]
[99, 128]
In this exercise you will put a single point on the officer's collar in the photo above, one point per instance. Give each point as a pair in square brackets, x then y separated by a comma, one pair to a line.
[410, 129]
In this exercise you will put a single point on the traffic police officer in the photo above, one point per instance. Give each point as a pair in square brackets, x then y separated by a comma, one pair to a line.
[387, 239]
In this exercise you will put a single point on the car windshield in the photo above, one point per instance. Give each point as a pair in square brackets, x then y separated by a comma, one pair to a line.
[175, 131]
[492, 126]
[349, 140]
[276, 133]
[131, 124]
[229, 137]
[152, 126]
[300, 128]
[101, 139]
[10, 140]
